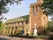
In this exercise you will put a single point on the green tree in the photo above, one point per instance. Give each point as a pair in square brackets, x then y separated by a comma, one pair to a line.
[1, 25]
[48, 6]
[3, 6]
[50, 26]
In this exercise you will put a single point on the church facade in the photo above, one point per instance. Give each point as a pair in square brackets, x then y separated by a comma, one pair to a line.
[37, 18]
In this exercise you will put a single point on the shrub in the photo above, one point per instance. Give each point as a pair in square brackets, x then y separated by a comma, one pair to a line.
[50, 26]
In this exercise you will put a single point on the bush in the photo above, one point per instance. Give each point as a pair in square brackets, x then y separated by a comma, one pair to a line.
[20, 33]
[1, 27]
[50, 26]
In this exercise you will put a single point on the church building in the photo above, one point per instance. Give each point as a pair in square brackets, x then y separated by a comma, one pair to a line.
[35, 20]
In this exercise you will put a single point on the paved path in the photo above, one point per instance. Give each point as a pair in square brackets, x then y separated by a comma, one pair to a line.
[17, 38]
[8, 38]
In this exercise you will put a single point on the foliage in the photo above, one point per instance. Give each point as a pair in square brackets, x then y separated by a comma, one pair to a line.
[20, 31]
[3, 4]
[48, 6]
[1, 25]
[50, 26]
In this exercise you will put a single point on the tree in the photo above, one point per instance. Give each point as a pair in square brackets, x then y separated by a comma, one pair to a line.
[1, 25]
[3, 4]
[48, 7]
[50, 26]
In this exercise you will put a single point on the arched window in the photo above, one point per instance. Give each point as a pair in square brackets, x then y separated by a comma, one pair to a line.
[34, 11]
[36, 7]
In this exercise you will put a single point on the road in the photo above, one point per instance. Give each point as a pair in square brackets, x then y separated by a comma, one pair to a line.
[17, 38]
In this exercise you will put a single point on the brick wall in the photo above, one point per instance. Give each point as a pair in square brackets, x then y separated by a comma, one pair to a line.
[37, 17]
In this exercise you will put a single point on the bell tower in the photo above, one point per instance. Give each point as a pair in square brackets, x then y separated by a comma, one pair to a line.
[39, 1]
[37, 19]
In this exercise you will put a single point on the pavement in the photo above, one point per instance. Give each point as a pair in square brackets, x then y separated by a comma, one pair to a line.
[18, 38]
[8, 38]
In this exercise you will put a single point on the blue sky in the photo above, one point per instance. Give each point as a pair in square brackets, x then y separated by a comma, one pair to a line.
[19, 10]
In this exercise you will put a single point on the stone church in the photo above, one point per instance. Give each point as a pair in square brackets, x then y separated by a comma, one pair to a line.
[36, 19]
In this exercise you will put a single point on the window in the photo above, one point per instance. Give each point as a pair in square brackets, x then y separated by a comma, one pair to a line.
[36, 7]
[34, 11]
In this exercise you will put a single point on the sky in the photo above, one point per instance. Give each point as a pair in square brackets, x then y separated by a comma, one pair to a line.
[19, 10]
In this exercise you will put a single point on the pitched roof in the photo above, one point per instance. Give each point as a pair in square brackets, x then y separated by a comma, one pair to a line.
[23, 18]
